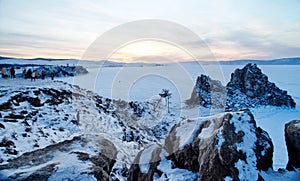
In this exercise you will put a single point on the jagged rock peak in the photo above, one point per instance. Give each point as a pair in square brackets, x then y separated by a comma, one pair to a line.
[247, 88]
[206, 91]
[250, 83]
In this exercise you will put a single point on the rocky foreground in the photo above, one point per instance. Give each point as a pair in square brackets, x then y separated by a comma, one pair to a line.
[228, 145]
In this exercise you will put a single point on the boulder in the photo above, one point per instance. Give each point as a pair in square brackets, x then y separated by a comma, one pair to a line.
[236, 148]
[292, 139]
[227, 145]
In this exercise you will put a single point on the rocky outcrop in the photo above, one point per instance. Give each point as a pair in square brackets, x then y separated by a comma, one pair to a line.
[292, 139]
[247, 88]
[226, 145]
[46, 162]
[208, 93]
[53, 112]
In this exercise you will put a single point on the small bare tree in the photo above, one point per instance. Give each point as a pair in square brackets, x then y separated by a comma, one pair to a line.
[166, 95]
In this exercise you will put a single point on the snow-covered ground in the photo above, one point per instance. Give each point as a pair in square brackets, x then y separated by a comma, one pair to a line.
[140, 83]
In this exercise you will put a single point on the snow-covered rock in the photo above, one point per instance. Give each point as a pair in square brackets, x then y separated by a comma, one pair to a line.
[247, 88]
[208, 93]
[227, 145]
[62, 71]
[36, 116]
[292, 138]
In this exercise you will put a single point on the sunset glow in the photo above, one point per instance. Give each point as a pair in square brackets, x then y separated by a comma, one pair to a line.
[231, 29]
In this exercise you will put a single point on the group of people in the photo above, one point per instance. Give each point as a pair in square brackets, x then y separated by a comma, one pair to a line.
[8, 72]
[26, 74]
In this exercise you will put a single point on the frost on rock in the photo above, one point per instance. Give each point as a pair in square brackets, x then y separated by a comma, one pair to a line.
[255, 89]
[50, 117]
[208, 93]
[227, 145]
[232, 150]
[248, 87]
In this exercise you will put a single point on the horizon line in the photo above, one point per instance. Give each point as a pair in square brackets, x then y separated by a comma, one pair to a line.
[180, 61]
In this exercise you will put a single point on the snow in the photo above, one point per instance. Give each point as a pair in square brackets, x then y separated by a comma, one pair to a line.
[186, 137]
[273, 120]
[67, 165]
[221, 139]
[207, 132]
[39, 135]
[145, 158]
[271, 175]
[68, 168]
[173, 173]
[297, 125]
[227, 178]
[246, 169]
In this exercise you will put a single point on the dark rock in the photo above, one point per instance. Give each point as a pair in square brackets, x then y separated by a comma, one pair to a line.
[227, 153]
[42, 174]
[9, 146]
[2, 126]
[208, 93]
[191, 151]
[264, 150]
[227, 145]
[100, 174]
[36, 102]
[82, 156]
[5, 105]
[137, 108]
[249, 87]
[10, 120]
[14, 116]
[292, 139]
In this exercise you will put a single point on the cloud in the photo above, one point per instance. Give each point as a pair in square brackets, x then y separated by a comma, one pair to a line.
[230, 31]
[250, 44]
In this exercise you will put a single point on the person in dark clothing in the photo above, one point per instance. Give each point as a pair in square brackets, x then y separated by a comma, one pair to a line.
[28, 74]
[12, 73]
[43, 74]
[52, 75]
[3, 72]
[24, 73]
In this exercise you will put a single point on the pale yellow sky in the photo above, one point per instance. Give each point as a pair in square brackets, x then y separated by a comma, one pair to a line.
[249, 29]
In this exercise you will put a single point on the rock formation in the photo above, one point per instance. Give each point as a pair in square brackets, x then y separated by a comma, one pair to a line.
[208, 93]
[292, 139]
[226, 145]
[247, 88]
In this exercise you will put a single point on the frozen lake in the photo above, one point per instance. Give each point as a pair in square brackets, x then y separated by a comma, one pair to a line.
[140, 83]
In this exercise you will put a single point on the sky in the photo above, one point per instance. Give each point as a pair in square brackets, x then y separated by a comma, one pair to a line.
[229, 29]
